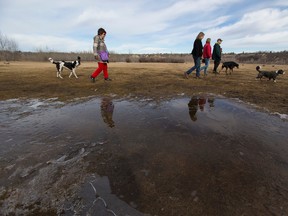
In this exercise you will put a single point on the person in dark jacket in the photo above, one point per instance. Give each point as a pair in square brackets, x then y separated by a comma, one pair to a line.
[216, 56]
[197, 53]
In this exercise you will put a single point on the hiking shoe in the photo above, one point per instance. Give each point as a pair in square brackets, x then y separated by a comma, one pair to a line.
[108, 79]
[92, 79]
[186, 75]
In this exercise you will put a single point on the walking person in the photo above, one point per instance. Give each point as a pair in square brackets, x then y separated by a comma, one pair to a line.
[216, 56]
[101, 54]
[197, 54]
[207, 54]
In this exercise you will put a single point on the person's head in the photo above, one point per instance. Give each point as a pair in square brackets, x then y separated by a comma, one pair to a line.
[101, 33]
[208, 40]
[219, 41]
[200, 36]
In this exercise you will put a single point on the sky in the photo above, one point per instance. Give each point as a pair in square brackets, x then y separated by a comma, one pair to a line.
[145, 26]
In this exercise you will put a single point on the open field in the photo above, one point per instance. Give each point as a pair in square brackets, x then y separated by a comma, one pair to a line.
[147, 143]
[153, 80]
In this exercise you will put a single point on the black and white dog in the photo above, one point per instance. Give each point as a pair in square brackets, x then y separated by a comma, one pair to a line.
[231, 65]
[71, 65]
[268, 74]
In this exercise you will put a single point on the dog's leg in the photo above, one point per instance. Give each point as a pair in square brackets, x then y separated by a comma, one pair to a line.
[60, 75]
[60, 70]
[73, 72]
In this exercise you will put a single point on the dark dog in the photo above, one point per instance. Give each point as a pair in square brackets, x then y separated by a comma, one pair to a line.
[231, 65]
[69, 65]
[268, 74]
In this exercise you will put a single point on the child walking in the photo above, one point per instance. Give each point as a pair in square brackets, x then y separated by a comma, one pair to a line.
[101, 54]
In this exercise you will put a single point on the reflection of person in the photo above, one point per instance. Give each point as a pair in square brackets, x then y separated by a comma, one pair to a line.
[98, 47]
[216, 56]
[201, 102]
[196, 103]
[207, 54]
[193, 107]
[211, 102]
[197, 54]
[107, 108]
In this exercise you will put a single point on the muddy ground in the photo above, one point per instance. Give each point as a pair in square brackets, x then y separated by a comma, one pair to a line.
[153, 80]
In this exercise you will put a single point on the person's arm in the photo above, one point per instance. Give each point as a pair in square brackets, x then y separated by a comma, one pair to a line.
[217, 51]
[199, 48]
[95, 46]
[209, 51]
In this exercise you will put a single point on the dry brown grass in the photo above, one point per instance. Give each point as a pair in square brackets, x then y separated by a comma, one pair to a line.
[153, 80]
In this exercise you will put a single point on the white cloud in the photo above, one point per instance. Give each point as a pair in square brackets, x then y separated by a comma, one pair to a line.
[53, 43]
[259, 30]
[145, 25]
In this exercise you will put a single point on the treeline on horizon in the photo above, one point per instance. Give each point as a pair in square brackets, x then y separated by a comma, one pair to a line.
[41, 56]
[9, 51]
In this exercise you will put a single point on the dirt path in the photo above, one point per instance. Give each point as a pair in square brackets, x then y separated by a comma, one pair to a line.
[155, 80]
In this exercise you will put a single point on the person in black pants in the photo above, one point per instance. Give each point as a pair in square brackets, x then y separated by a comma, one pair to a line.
[216, 56]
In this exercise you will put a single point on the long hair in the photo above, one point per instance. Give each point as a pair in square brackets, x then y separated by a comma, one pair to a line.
[200, 35]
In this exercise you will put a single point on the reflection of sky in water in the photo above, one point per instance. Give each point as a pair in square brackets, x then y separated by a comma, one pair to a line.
[101, 116]
[192, 144]
[144, 121]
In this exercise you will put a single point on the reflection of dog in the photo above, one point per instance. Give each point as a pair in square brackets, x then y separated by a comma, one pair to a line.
[231, 65]
[69, 65]
[268, 74]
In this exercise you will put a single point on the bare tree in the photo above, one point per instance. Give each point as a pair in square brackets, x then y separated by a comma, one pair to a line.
[8, 48]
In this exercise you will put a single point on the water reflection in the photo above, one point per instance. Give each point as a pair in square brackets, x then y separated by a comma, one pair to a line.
[107, 109]
[198, 103]
[157, 161]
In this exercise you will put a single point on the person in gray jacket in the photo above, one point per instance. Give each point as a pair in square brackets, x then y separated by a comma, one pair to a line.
[101, 54]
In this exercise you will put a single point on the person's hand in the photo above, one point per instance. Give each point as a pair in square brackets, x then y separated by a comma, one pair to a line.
[96, 57]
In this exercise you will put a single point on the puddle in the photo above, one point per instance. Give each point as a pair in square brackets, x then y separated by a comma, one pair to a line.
[105, 156]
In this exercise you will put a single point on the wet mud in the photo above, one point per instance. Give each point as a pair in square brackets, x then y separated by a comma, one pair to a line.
[202, 155]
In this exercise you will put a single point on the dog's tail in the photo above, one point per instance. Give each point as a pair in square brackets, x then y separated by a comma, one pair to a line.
[258, 68]
[51, 60]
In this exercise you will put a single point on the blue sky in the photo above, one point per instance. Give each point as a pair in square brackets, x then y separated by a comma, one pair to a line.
[146, 26]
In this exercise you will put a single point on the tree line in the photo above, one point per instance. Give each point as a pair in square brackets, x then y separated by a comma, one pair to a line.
[9, 51]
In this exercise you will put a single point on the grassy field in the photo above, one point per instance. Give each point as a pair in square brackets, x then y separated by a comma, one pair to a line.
[153, 80]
